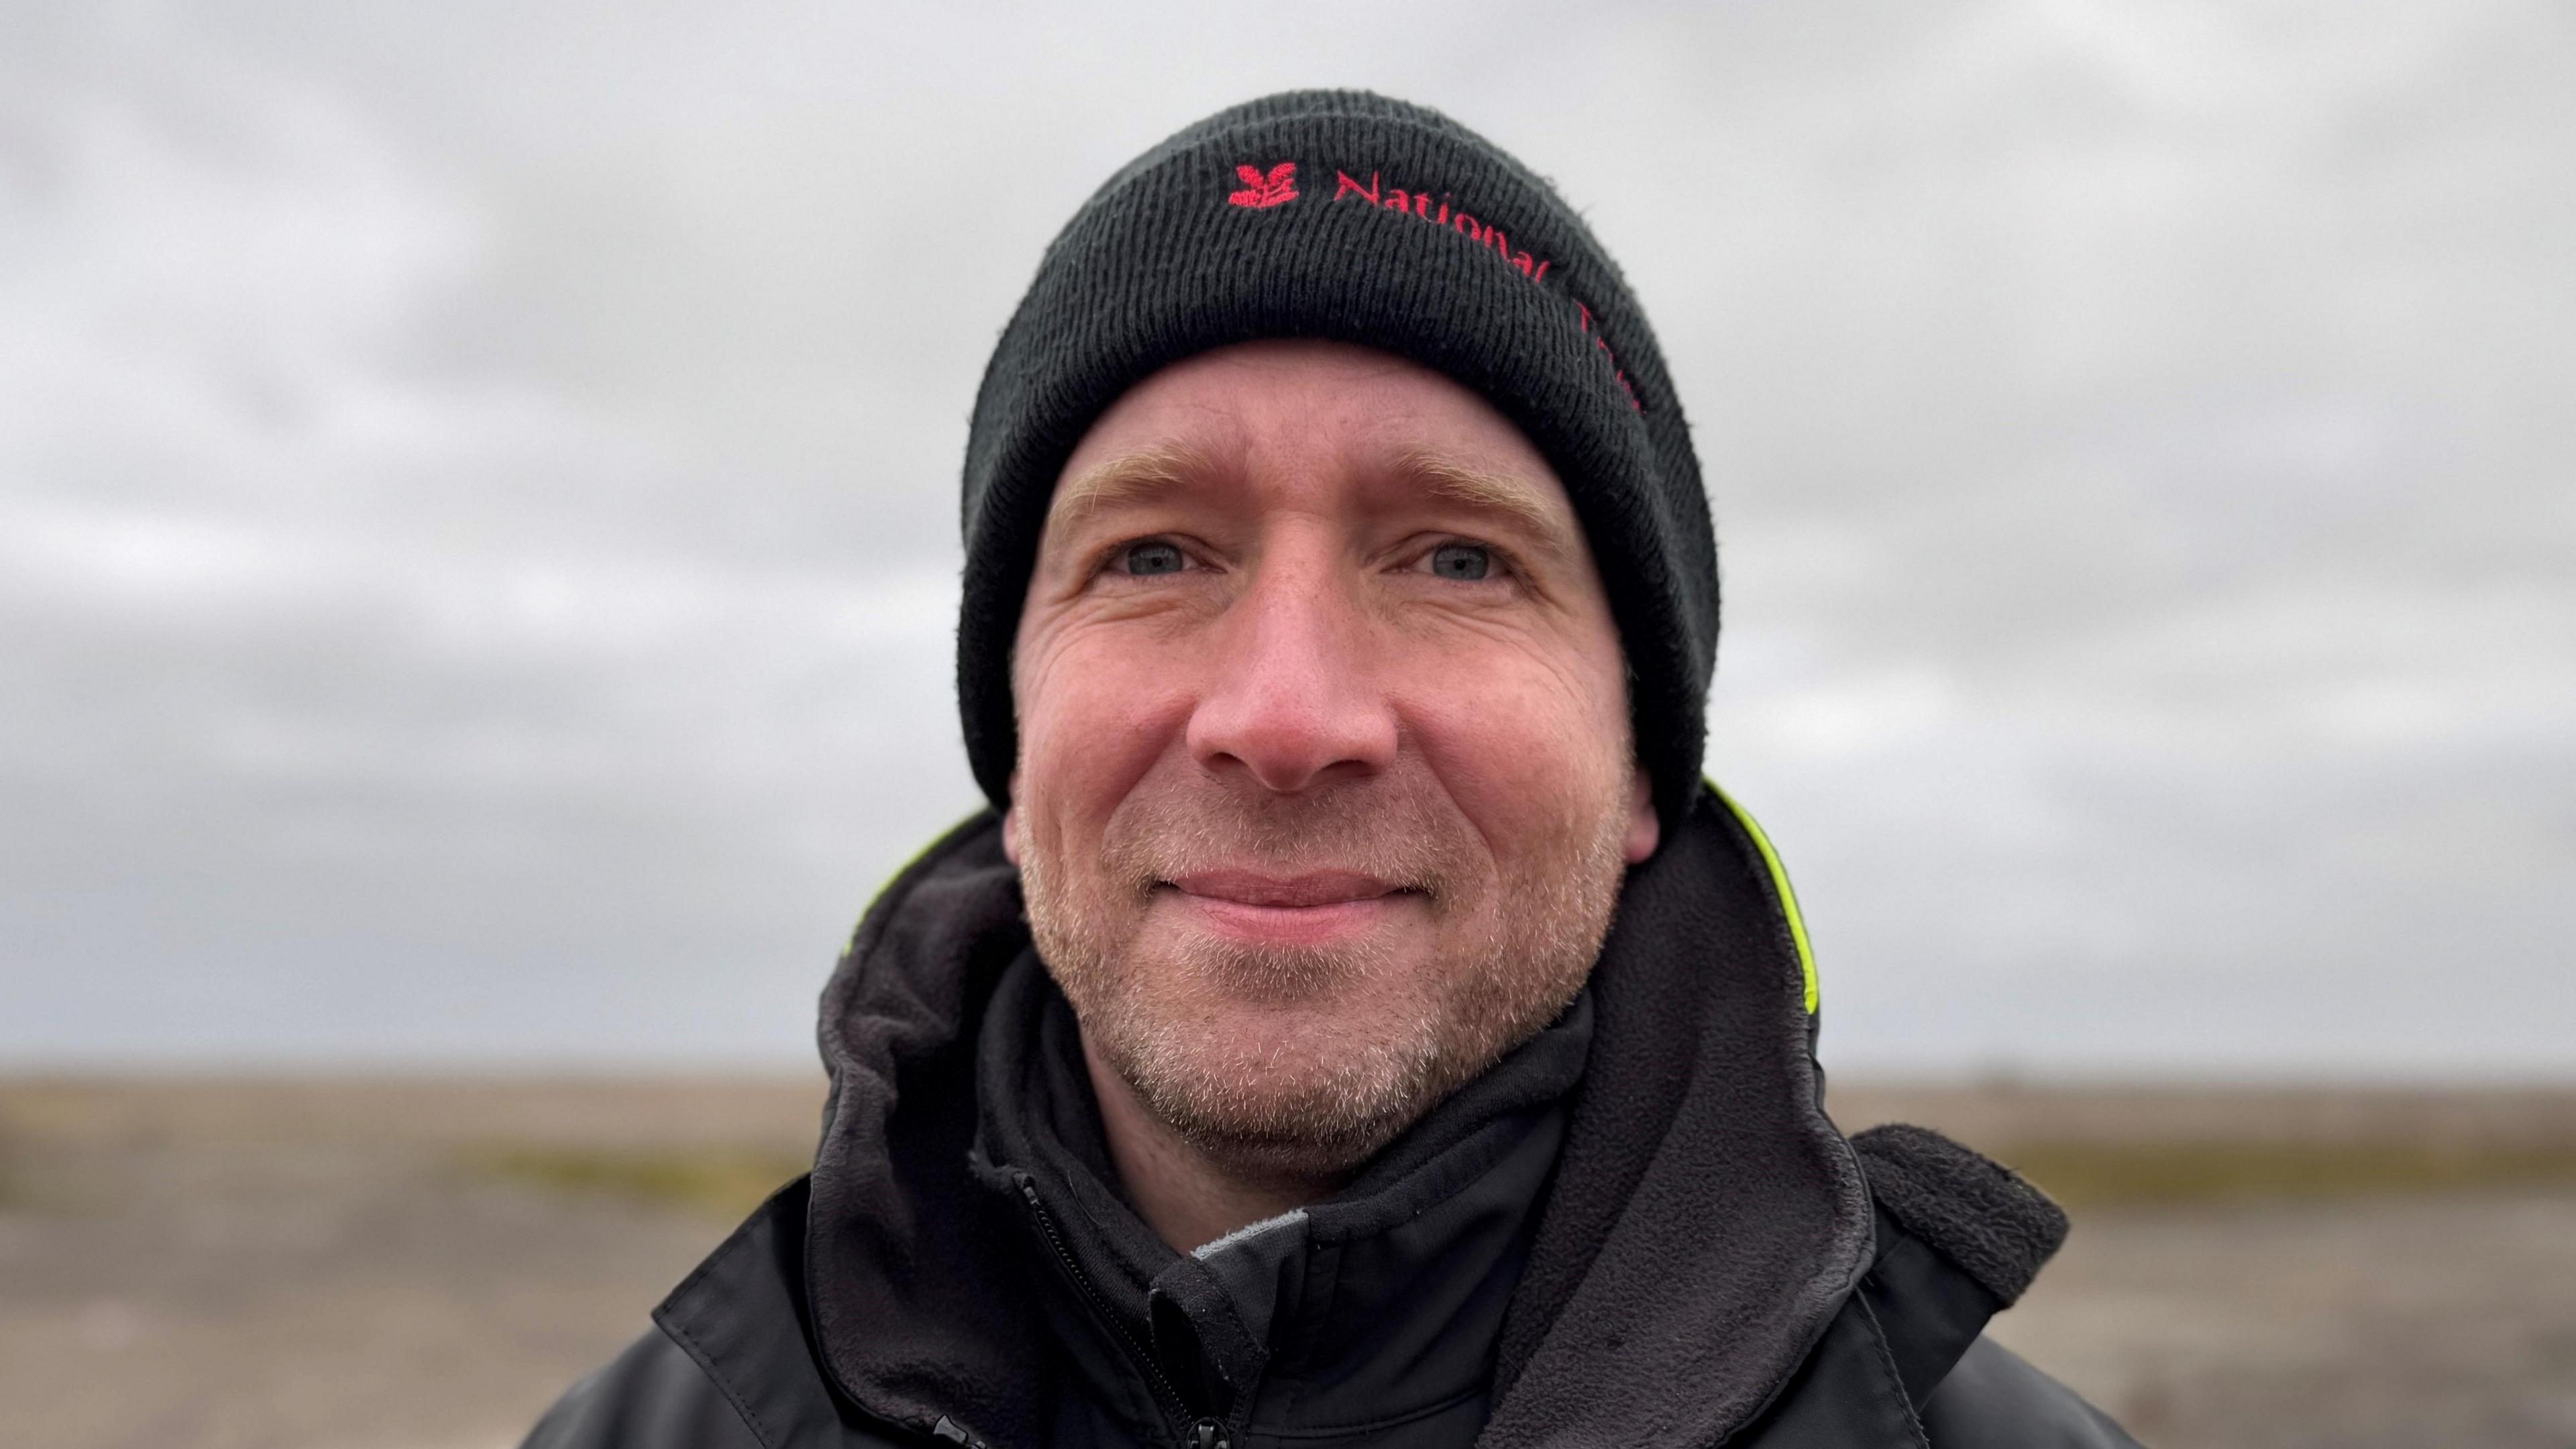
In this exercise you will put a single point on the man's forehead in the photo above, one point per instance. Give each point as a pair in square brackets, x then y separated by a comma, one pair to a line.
[1273, 420]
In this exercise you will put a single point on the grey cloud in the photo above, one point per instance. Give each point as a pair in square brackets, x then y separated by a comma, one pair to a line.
[476, 497]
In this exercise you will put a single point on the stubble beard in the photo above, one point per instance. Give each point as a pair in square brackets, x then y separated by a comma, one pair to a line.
[1322, 1095]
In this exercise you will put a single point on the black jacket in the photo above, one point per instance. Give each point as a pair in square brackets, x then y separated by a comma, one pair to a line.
[1709, 1261]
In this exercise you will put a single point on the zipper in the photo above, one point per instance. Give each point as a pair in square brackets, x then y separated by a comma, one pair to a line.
[1203, 1432]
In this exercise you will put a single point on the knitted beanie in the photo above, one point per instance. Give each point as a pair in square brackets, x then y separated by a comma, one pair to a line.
[1353, 217]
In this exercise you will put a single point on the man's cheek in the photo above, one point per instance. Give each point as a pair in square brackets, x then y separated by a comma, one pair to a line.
[1092, 738]
[1504, 735]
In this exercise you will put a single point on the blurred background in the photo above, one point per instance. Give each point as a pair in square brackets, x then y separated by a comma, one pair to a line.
[477, 570]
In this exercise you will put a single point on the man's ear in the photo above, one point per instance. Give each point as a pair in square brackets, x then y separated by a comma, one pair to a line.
[1011, 823]
[1645, 828]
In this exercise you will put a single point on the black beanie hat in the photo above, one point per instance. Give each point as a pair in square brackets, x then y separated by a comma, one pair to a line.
[1353, 217]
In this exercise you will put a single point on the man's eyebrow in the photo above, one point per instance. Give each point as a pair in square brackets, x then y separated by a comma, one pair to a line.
[1127, 478]
[1492, 493]
[1153, 471]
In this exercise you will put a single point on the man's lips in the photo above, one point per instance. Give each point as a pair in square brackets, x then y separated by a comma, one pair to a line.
[1303, 891]
[1313, 908]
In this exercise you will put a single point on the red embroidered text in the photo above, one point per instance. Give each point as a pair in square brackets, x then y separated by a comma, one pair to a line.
[1418, 204]
[1275, 189]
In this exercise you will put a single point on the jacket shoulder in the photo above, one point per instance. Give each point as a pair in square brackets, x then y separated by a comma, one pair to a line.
[1994, 1399]
[652, 1396]
[727, 1364]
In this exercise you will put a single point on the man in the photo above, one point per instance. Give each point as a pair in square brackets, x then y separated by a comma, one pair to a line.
[1357, 1024]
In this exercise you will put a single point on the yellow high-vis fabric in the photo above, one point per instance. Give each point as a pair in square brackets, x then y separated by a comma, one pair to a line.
[1780, 886]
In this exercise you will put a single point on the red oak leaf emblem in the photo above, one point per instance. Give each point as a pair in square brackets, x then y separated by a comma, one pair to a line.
[1275, 189]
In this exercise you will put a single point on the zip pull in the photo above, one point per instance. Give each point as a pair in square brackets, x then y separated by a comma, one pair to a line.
[1208, 1434]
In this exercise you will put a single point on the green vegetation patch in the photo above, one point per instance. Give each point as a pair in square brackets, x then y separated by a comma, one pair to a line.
[17, 1173]
[727, 1182]
[2125, 1174]
[721, 1181]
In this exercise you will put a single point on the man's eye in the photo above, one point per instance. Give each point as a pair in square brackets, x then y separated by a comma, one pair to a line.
[1143, 559]
[1464, 561]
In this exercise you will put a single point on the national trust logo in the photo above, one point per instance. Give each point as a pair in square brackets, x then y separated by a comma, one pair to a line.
[1277, 186]
[1275, 189]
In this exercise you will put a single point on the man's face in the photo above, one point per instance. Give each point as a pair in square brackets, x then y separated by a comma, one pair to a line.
[1325, 787]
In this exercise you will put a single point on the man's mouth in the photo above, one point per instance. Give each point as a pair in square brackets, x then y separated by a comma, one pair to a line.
[1305, 890]
[1308, 908]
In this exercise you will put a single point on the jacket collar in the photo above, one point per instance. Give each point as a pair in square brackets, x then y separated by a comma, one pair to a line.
[1383, 1302]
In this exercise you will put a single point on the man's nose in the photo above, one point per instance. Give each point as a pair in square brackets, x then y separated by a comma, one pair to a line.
[1294, 697]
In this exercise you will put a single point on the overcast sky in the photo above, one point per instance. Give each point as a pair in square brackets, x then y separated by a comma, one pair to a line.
[477, 497]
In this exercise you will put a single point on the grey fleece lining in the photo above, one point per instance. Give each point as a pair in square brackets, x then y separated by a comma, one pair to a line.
[1247, 1232]
[917, 1310]
[1982, 1216]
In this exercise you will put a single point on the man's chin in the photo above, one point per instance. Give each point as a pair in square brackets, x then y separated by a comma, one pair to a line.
[1279, 1092]
[1287, 1140]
